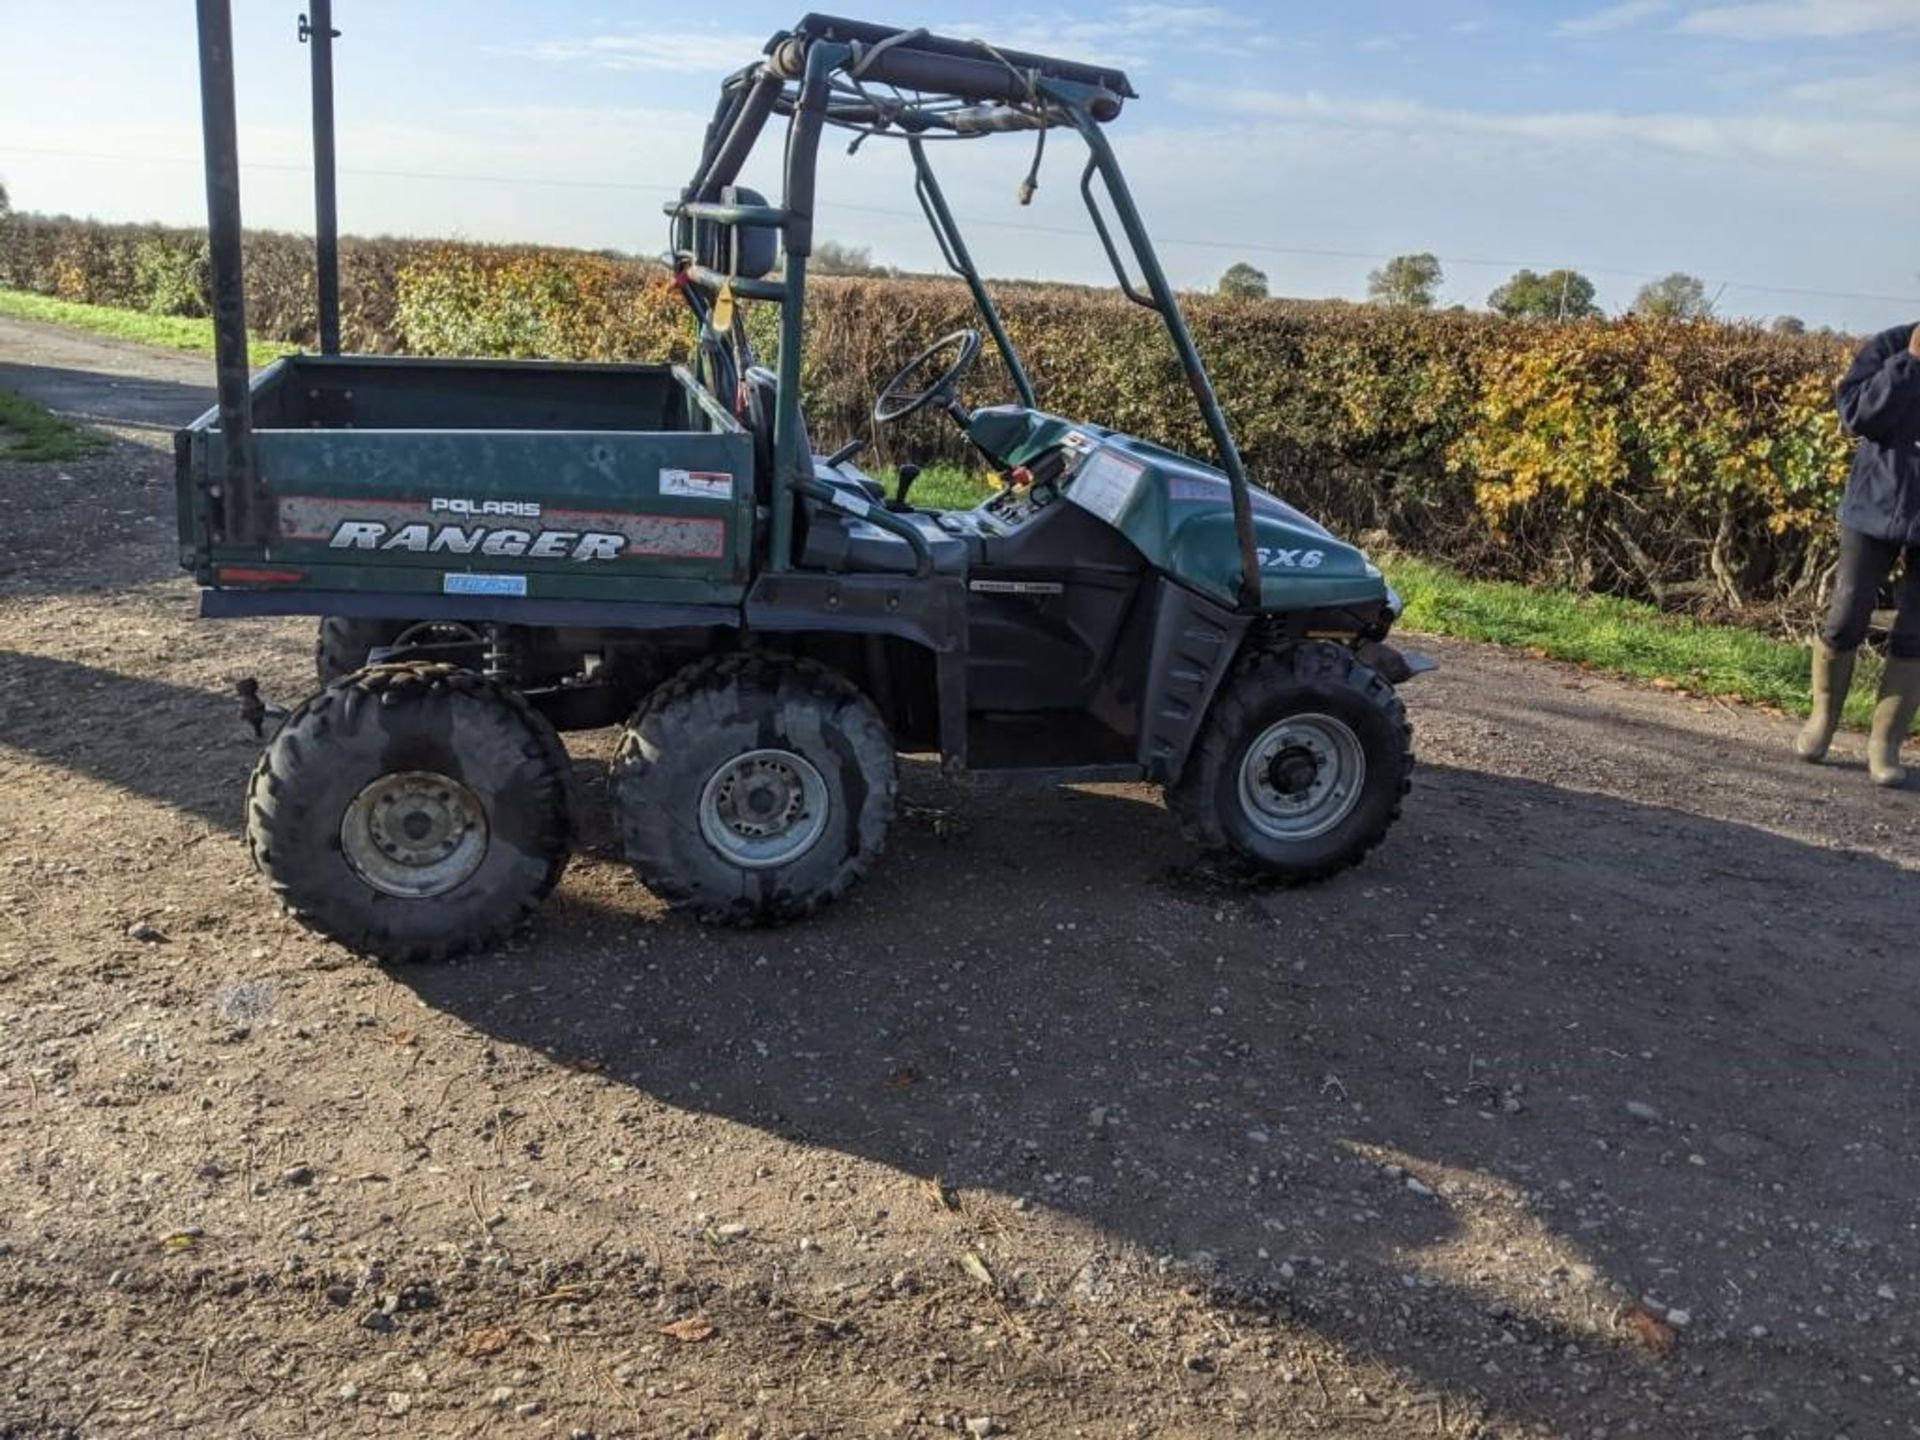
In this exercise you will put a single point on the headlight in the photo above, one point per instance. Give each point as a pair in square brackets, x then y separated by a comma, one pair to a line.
[1394, 603]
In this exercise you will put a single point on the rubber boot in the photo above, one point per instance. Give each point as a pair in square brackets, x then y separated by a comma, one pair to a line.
[1832, 675]
[1892, 719]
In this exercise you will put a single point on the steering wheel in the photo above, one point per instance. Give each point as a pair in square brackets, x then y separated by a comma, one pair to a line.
[896, 402]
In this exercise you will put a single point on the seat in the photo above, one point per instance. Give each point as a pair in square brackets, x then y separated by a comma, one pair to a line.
[761, 389]
[832, 539]
[845, 543]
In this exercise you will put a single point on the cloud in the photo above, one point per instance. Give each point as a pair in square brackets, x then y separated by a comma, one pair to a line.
[1128, 36]
[1803, 19]
[1623, 16]
[1879, 147]
[1887, 94]
[1154, 19]
[662, 52]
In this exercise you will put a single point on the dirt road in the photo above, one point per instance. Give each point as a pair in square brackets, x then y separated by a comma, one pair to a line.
[1586, 1107]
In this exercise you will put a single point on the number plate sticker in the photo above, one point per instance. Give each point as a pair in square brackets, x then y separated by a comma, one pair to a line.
[471, 584]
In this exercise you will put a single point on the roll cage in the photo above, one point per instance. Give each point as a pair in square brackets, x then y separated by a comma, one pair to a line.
[916, 87]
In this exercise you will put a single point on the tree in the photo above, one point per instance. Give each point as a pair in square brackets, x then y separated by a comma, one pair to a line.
[1408, 282]
[830, 257]
[1789, 325]
[1556, 295]
[6, 206]
[1243, 282]
[1678, 296]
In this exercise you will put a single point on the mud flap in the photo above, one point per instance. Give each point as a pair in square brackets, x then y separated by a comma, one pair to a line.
[1395, 666]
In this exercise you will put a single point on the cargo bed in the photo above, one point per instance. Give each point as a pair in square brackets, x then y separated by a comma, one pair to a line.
[530, 480]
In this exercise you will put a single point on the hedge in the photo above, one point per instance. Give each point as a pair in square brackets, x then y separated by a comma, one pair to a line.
[1692, 465]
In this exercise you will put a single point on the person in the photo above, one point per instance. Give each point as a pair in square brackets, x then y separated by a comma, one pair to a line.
[1879, 525]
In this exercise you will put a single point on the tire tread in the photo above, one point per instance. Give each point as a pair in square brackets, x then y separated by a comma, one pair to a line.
[338, 711]
[1258, 673]
[670, 716]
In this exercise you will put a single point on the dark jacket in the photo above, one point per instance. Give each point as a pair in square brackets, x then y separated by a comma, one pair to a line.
[1880, 402]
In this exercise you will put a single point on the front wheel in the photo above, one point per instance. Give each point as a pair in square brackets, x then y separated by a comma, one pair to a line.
[1301, 766]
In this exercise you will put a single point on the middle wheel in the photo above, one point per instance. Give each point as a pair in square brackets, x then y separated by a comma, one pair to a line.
[753, 789]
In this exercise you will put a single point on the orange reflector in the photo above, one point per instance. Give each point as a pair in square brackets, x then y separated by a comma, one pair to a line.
[240, 575]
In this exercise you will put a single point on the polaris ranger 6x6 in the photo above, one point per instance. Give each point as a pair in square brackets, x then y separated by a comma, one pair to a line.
[500, 551]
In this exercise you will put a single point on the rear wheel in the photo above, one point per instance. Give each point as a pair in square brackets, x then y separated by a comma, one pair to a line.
[411, 811]
[1301, 766]
[753, 789]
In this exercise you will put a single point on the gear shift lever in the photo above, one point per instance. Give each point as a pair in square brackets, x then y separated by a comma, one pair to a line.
[904, 478]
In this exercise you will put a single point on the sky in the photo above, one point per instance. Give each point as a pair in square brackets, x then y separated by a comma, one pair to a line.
[1771, 147]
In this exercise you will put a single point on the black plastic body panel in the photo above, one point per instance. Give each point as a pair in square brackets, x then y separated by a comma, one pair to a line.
[1045, 609]
[1194, 644]
[472, 609]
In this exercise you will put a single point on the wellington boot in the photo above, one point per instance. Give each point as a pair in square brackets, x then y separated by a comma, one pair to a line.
[1892, 719]
[1832, 675]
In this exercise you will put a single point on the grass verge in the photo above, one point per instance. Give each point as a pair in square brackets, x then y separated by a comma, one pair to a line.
[1620, 637]
[169, 332]
[33, 432]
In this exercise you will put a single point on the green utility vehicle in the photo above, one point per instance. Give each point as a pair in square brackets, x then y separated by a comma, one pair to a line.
[500, 551]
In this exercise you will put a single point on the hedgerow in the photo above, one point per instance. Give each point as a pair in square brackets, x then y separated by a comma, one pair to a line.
[1692, 465]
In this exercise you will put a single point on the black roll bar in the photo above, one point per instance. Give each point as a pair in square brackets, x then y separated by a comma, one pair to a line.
[722, 167]
[317, 32]
[966, 69]
[241, 507]
[953, 249]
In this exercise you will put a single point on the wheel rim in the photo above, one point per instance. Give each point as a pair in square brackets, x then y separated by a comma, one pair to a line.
[414, 834]
[1302, 776]
[764, 808]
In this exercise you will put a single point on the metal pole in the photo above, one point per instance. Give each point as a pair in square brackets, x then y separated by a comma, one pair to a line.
[953, 249]
[317, 29]
[224, 255]
[1164, 301]
[790, 462]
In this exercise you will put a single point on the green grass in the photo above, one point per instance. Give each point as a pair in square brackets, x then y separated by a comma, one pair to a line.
[1621, 637]
[169, 332]
[32, 432]
[945, 487]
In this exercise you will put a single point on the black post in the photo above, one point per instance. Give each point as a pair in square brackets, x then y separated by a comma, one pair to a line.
[224, 254]
[953, 249]
[317, 29]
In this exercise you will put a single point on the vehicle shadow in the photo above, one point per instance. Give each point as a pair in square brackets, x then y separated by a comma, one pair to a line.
[96, 397]
[180, 746]
[1586, 1031]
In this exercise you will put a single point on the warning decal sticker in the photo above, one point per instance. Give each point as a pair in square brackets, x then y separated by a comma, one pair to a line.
[697, 484]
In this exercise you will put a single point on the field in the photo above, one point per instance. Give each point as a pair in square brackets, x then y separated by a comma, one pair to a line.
[1585, 1107]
